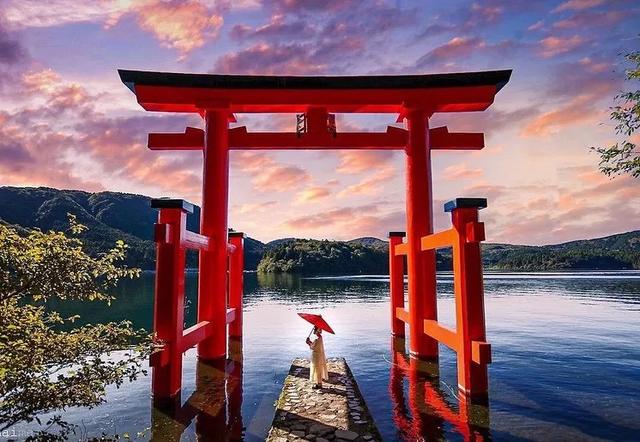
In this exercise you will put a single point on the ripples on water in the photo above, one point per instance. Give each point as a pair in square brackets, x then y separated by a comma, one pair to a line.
[565, 358]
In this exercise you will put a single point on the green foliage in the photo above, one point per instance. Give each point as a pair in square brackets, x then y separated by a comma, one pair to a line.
[314, 256]
[620, 251]
[44, 368]
[623, 157]
[109, 216]
[614, 252]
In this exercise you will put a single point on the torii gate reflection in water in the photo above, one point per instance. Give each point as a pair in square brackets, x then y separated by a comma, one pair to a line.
[217, 98]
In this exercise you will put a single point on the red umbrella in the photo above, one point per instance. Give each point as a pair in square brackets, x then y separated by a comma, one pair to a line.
[317, 320]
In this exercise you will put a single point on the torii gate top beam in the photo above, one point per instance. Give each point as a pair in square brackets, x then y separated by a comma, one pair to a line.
[178, 92]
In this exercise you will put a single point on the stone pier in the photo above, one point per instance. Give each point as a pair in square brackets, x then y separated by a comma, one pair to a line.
[335, 413]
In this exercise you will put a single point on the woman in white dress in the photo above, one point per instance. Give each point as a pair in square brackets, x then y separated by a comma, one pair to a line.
[318, 370]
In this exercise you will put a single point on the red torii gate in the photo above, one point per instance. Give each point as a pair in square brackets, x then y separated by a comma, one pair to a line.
[217, 98]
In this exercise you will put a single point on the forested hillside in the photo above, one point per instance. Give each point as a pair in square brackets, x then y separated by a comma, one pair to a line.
[108, 215]
[330, 257]
[111, 216]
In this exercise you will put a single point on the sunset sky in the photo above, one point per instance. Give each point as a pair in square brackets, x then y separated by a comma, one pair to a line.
[66, 121]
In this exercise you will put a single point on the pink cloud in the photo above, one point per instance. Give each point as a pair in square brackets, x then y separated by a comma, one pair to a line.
[577, 111]
[552, 46]
[492, 121]
[358, 161]
[312, 194]
[324, 219]
[552, 213]
[581, 220]
[461, 49]
[254, 207]
[371, 184]
[536, 26]
[32, 156]
[592, 19]
[41, 81]
[472, 16]
[183, 25]
[585, 76]
[290, 43]
[460, 172]
[578, 5]
[279, 179]
[300, 6]
[267, 174]
[491, 192]
[489, 13]
[276, 28]
[349, 222]
[455, 48]
[64, 142]
[264, 58]
[595, 67]
[34, 13]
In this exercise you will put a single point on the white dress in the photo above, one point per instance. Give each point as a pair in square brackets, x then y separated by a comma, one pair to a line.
[318, 370]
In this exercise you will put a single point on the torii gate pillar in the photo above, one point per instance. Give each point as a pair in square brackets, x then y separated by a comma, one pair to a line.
[212, 282]
[421, 266]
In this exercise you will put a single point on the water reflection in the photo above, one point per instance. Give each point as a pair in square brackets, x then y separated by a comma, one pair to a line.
[215, 406]
[565, 358]
[421, 408]
[288, 289]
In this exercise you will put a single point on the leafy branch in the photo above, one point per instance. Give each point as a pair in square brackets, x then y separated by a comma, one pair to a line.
[624, 157]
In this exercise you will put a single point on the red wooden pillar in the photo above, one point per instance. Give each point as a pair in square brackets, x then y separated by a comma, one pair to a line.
[212, 282]
[236, 281]
[168, 309]
[473, 351]
[421, 266]
[396, 282]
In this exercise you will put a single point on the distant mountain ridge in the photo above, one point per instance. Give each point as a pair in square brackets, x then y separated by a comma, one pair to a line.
[108, 215]
[113, 215]
[369, 241]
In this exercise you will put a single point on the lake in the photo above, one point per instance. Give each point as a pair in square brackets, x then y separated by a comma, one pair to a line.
[565, 347]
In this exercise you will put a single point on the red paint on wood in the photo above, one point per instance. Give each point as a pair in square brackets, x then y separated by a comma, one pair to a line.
[396, 285]
[191, 99]
[236, 283]
[168, 309]
[468, 287]
[420, 265]
[212, 282]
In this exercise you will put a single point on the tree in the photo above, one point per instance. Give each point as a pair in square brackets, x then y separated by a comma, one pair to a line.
[46, 363]
[624, 157]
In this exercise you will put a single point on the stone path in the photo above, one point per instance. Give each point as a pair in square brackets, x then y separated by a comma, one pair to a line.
[335, 413]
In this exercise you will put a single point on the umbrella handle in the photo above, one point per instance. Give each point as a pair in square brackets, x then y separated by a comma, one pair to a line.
[309, 335]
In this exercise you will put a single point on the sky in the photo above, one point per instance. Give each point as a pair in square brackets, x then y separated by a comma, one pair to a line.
[66, 121]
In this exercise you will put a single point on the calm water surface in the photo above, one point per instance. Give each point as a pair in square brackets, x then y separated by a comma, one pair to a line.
[566, 360]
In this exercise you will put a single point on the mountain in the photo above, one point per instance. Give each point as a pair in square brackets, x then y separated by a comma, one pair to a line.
[615, 252]
[112, 215]
[323, 257]
[369, 241]
[370, 255]
[108, 215]
[277, 242]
